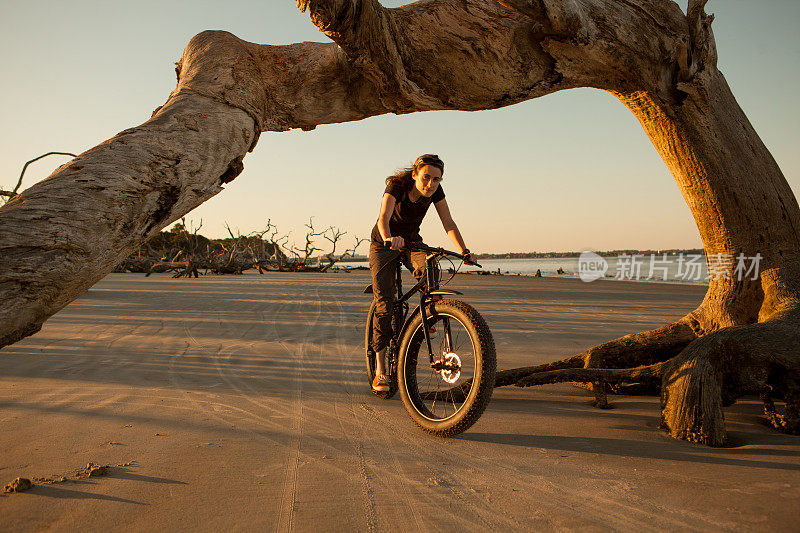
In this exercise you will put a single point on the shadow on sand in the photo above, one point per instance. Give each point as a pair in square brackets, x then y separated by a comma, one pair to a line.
[671, 450]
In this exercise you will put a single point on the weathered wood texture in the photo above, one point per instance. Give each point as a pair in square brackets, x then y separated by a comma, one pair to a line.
[66, 232]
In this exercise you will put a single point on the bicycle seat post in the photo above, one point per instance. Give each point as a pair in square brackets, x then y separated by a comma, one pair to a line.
[430, 272]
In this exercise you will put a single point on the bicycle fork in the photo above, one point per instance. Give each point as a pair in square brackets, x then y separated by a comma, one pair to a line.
[436, 363]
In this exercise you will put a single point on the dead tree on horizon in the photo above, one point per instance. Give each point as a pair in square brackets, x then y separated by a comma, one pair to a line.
[333, 238]
[301, 257]
[65, 233]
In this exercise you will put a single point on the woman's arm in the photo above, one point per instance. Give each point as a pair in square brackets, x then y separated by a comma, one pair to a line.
[387, 208]
[451, 228]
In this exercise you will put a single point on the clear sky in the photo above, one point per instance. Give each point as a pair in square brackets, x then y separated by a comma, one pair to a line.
[569, 171]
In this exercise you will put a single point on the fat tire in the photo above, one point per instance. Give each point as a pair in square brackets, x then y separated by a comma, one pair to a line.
[485, 368]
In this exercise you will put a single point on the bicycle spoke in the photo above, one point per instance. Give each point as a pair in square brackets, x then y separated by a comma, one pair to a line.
[435, 396]
[454, 352]
[431, 374]
[448, 336]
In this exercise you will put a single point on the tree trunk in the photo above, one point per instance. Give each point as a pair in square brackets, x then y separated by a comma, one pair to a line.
[67, 232]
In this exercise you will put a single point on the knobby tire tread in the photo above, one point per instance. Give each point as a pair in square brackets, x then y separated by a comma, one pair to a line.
[488, 370]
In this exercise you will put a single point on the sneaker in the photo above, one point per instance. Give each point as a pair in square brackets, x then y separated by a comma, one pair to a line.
[380, 384]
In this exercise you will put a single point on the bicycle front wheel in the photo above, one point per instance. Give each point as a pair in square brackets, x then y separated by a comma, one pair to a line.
[447, 395]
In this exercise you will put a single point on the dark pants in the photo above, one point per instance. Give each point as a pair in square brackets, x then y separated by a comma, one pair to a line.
[382, 261]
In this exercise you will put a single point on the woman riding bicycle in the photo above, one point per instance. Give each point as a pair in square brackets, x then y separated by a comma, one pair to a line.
[409, 193]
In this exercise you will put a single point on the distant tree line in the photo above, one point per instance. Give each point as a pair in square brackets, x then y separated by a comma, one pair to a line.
[611, 253]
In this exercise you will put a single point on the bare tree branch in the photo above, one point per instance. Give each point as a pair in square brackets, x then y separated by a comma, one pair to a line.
[15, 191]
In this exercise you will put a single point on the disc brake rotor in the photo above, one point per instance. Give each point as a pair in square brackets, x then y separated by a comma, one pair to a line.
[451, 369]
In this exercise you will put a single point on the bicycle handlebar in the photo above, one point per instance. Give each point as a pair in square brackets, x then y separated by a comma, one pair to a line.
[432, 249]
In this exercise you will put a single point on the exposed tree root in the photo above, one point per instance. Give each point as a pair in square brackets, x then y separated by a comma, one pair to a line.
[510, 377]
[636, 349]
[640, 349]
[605, 375]
[711, 372]
[789, 420]
[691, 399]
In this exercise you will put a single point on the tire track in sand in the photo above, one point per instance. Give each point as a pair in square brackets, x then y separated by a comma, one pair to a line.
[286, 508]
[292, 403]
[380, 445]
[331, 389]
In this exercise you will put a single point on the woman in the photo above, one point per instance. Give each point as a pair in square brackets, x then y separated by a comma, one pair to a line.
[409, 193]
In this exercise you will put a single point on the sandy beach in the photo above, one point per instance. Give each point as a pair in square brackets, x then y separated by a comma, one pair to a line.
[240, 402]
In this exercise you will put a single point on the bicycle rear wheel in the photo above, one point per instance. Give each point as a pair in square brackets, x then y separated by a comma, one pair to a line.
[369, 356]
[445, 398]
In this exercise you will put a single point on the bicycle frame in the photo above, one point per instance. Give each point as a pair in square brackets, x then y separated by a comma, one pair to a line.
[443, 323]
[429, 294]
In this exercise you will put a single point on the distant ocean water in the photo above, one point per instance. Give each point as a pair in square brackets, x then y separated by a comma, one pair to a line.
[697, 275]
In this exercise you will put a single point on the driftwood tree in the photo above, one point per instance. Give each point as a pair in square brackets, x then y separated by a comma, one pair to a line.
[65, 233]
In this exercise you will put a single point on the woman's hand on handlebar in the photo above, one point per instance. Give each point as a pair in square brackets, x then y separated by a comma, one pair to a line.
[470, 259]
[395, 243]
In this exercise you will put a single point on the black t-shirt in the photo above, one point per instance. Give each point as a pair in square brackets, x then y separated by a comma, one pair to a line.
[407, 215]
